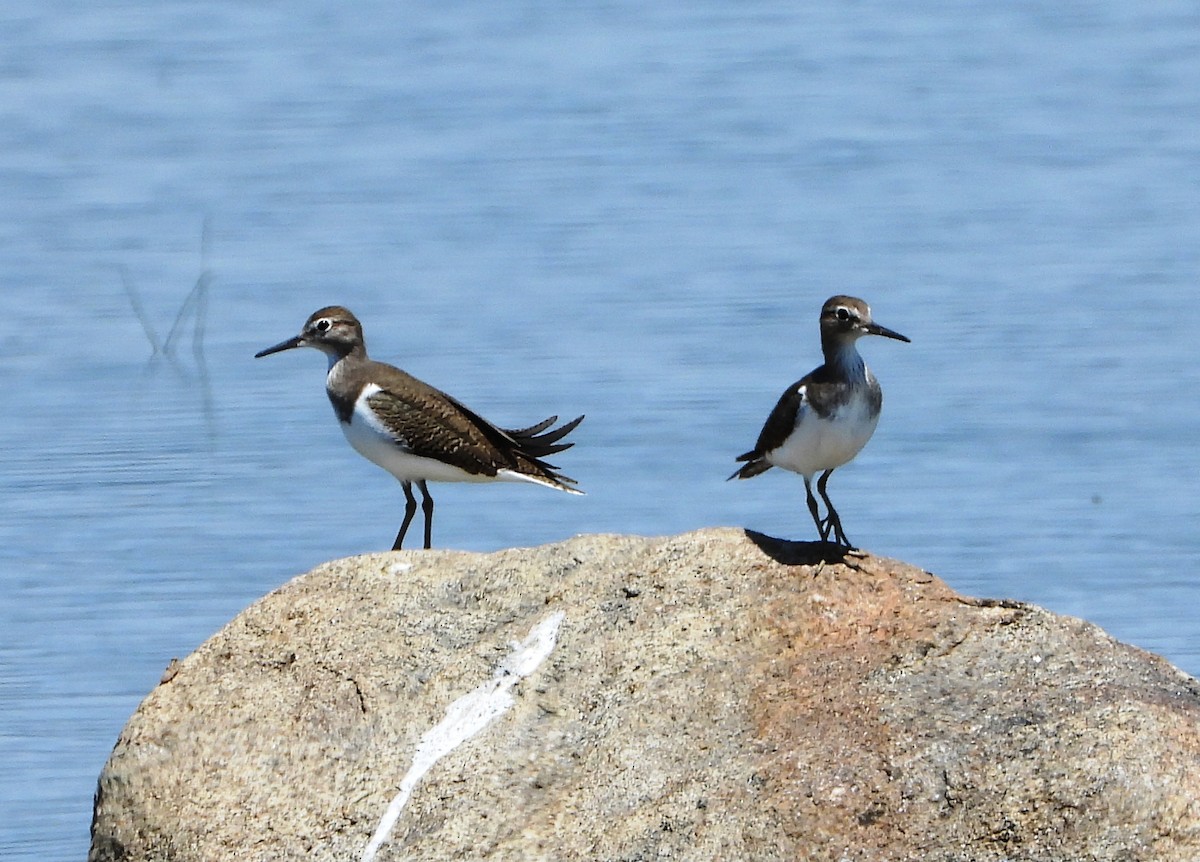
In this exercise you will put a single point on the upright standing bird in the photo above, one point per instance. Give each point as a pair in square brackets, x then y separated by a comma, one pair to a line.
[415, 432]
[824, 419]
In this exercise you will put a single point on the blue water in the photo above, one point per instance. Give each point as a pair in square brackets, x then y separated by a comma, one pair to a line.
[627, 210]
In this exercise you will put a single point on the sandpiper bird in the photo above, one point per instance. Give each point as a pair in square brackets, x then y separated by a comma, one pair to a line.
[415, 432]
[824, 419]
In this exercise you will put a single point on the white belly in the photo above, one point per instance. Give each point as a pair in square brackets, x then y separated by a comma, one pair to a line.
[369, 439]
[818, 444]
[402, 464]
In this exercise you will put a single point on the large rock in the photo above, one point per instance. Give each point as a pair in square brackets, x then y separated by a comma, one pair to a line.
[712, 696]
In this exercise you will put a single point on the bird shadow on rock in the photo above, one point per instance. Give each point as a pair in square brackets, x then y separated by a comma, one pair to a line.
[791, 553]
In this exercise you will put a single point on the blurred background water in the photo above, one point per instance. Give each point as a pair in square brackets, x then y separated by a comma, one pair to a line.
[628, 210]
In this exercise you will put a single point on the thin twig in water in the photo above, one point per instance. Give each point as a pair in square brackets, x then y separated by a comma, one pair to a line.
[195, 308]
[135, 300]
[195, 304]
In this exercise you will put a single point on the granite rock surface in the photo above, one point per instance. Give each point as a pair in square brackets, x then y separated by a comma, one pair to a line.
[718, 695]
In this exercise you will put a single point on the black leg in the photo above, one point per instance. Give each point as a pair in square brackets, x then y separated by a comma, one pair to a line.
[427, 508]
[812, 508]
[410, 509]
[832, 522]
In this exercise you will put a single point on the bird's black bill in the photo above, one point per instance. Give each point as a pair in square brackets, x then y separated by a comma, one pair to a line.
[294, 341]
[876, 329]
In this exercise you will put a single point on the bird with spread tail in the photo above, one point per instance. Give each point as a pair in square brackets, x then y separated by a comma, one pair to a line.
[824, 419]
[418, 433]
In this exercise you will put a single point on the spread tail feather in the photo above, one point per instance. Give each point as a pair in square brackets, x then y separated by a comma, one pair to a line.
[757, 464]
[532, 429]
[535, 443]
[549, 478]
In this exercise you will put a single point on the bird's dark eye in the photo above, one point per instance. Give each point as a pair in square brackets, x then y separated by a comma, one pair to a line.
[843, 314]
[323, 325]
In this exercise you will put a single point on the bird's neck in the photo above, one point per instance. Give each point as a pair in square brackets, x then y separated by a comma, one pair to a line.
[843, 357]
[341, 361]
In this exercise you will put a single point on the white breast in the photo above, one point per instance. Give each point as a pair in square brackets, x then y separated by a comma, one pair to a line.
[374, 442]
[817, 444]
[371, 439]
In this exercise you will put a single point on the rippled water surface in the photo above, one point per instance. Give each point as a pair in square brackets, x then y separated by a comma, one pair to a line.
[632, 211]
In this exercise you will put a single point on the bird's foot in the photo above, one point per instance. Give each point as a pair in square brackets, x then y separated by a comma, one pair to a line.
[831, 531]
